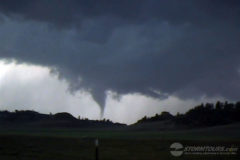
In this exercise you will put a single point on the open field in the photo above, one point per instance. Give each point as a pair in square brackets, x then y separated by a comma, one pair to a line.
[73, 144]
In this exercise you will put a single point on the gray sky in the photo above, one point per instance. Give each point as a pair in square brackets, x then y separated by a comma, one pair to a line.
[130, 57]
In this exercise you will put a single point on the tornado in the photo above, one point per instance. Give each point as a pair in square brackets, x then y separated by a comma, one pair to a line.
[99, 96]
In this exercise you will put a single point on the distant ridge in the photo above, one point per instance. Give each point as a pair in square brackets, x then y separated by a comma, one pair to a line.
[26, 118]
[201, 116]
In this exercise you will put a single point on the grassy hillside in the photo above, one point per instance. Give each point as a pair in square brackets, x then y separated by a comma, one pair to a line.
[49, 148]
[73, 144]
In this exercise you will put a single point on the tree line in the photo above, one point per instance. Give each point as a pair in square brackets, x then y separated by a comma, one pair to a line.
[208, 114]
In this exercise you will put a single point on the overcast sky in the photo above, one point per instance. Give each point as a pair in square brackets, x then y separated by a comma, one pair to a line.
[118, 58]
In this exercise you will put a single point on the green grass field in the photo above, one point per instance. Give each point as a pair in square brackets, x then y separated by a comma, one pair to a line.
[75, 144]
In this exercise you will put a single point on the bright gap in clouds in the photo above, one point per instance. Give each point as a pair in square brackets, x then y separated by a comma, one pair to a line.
[30, 87]
[132, 107]
[24, 87]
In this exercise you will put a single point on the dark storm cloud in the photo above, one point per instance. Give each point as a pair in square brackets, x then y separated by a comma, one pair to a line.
[66, 13]
[183, 48]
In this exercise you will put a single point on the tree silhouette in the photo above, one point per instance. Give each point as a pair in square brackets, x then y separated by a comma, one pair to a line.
[202, 115]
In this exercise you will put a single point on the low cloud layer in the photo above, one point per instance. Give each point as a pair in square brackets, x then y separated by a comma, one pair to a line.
[185, 49]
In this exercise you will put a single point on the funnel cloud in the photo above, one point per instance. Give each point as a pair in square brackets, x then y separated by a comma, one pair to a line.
[99, 96]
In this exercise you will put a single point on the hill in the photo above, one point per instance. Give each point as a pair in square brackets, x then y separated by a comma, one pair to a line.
[204, 115]
[201, 116]
[59, 120]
